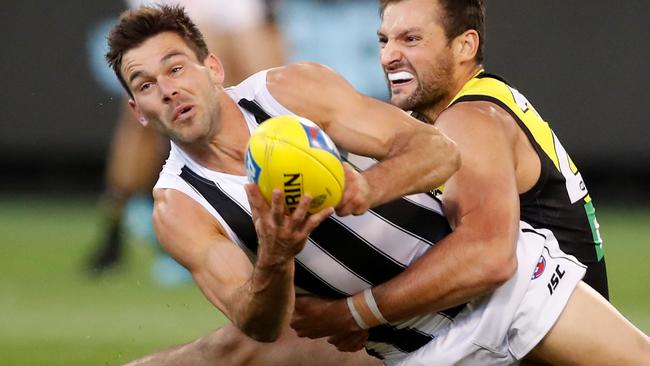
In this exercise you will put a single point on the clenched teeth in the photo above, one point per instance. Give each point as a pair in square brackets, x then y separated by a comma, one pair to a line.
[400, 76]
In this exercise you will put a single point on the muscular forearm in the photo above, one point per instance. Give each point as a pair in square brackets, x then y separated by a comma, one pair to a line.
[423, 163]
[444, 277]
[477, 257]
[263, 305]
[456, 270]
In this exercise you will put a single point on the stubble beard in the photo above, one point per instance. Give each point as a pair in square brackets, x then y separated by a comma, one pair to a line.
[426, 96]
[200, 130]
[432, 88]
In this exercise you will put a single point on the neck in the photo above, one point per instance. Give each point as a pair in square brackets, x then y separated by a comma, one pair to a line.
[463, 75]
[225, 150]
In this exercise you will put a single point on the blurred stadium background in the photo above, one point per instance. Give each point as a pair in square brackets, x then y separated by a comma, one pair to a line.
[583, 65]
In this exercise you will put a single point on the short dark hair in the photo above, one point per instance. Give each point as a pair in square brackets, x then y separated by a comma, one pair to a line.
[136, 26]
[458, 16]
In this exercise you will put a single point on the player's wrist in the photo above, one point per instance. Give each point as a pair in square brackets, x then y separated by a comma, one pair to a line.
[364, 310]
[375, 185]
[274, 253]
[274, 262]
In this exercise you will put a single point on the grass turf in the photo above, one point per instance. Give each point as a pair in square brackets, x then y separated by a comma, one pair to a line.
[53, 313]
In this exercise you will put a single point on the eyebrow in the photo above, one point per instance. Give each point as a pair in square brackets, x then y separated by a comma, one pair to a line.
[170, 55]
[401, 33]
[164, 59]
[135, 75]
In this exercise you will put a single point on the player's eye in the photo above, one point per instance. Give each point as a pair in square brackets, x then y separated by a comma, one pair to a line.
[145, 86]
[382, 41]
[411, 39]
[176, 69]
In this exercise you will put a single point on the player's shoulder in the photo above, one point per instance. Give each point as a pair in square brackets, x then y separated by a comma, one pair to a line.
[476, 112]
[178, 219]
[299, 68]
[299, 73]
[291, 79]
[488, 88]
[477, 118]
[310, 90]
[169, 202]
[182, 226]
[250, 87]
[172, 200]
[484, 85]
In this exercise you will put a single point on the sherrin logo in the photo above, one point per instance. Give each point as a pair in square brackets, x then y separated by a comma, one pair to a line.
[539, 268]
[317, 138]
[292, 190]
[252, 169]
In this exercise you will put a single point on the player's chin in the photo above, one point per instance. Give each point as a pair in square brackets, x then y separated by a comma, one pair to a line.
[401, 96]
[400, 100]
[188, 136]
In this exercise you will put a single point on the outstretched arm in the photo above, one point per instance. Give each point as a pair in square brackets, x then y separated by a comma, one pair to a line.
[256, 298]
[481, 201]
[415, 157]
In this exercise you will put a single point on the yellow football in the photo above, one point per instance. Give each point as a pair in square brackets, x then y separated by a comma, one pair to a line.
[295, 155]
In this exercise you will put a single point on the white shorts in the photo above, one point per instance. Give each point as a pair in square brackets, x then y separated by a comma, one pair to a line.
[504, 326]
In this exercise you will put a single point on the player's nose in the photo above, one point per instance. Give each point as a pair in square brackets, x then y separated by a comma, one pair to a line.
[390, 54]
[167, 90]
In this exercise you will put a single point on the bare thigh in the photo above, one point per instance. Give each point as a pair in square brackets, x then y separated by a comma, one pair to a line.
[590, 331]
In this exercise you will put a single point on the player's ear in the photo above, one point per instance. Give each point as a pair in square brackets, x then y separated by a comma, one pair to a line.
[138, 114]
[213, 63]
[466, 45]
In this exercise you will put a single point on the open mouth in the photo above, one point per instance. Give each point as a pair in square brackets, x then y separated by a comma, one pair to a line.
[400, 78]
[183, 112]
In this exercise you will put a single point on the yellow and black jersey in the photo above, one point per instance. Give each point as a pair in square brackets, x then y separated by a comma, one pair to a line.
[559, 201]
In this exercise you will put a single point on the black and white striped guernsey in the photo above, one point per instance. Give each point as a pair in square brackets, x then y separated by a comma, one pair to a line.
[344, 255]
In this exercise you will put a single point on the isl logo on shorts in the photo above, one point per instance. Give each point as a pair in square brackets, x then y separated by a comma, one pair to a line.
[539, 268]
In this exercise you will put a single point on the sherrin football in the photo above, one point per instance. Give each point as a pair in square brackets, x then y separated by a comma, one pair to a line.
[295, 155]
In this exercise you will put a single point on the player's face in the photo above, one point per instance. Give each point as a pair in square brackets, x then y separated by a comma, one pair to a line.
[415, 54]
[172, 90]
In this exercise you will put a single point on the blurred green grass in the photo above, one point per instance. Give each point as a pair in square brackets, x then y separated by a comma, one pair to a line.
[52, 313]
[626, 236]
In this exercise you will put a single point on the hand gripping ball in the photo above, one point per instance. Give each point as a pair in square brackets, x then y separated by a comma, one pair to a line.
[295, 155]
